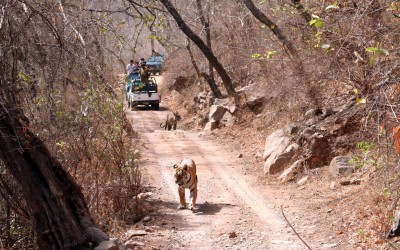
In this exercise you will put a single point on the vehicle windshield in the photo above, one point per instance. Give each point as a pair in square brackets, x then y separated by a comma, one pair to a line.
[155, 59]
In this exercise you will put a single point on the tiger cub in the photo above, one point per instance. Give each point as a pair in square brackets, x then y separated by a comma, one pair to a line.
[171, 120]
[185, 177]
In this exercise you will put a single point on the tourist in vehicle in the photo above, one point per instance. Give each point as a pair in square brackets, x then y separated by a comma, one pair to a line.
[155, 53]
[130, 67]
[145, 75]
[136, 73]
[142, 60]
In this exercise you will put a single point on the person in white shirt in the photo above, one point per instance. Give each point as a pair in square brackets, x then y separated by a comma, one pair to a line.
[130, 68]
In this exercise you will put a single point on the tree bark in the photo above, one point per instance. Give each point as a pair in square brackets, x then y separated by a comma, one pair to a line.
[272, 26]
[202, 46]
[196, 68]
[304, 13]
[206, 24]
[54, 200]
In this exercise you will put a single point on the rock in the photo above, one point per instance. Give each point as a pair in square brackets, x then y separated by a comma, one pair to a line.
[180, 83]
[232, 235]
[277, 162]
[131, 233]
[276, 142]
[220, 102]
[107, 245]
[144, 196]
[255, 104]
[302, 181]
[228, 119]
[96, 235]
[217, 112]
[240, 156]
[232, 109]
[341, 165]
[146, 219]
[211, 125]
[318, 151]
[290, 173]
[395, 231]
[333, 185]
[344, 182]
[329, 246]
[134, 244]
[353, 181]
[328, 112]
[313, 112]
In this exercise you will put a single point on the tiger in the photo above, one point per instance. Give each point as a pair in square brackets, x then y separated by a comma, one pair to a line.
[170, 121]
[186, 177]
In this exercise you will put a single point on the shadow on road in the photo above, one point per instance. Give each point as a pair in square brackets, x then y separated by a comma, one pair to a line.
[211, 208]
[145, 108]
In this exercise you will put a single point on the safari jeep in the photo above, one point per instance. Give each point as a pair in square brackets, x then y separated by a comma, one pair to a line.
[145, 95]
[155, 64]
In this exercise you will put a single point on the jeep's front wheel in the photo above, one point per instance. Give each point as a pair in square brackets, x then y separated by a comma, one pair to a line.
[156, 106]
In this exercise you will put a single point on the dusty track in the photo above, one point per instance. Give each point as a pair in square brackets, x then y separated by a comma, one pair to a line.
[228, 200]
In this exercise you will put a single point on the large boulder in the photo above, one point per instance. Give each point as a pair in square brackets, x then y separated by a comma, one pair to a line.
[277, 161]
[278, 150]
[291, 172]
[211, 125]
[341, 165]
[217, 112]
[255, 103]
[181, 82]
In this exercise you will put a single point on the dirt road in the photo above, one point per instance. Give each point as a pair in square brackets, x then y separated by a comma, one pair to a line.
[233, 213]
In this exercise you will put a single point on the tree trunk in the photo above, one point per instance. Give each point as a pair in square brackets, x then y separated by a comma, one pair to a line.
[304, 13]
[54, 200]
[202, 46]
[272, 26]
[206, 24]
[196, 68]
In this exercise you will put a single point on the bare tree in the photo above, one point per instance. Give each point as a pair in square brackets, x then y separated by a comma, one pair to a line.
[206, 24]
[202, 46]
[272, 26]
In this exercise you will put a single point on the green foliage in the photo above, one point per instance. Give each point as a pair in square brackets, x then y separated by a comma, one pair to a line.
[376, 51]
[362, 158]
[24, 77]
[256, 56]
[386, 193]
[358, 99]
[394, 7]
[317, 22]
[267, 55]
[364, 146]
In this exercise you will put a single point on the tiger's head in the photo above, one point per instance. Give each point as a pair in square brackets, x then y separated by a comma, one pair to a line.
[177, 116]
[181, 174]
